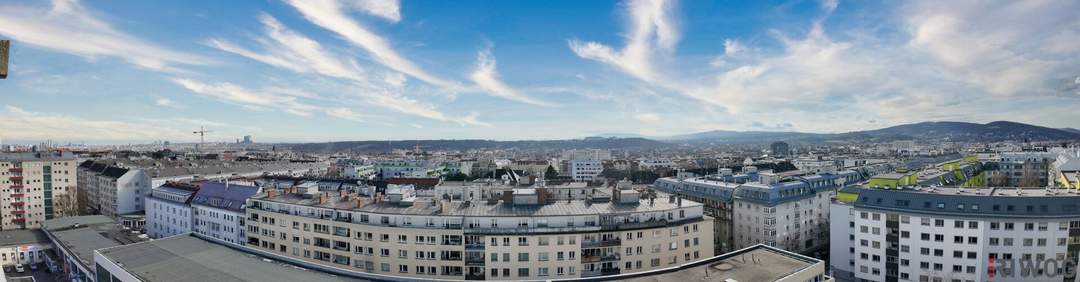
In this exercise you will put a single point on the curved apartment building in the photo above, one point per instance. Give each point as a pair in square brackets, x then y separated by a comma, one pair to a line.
[506, 235]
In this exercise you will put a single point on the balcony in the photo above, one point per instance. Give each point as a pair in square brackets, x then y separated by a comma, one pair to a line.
[474, 246]
[600, 272]
[15, 170]
[16, 178]
[17, 186]
[18, 203]
[601, 243]
[474, 259]
[17, 195]
[589, 258]
[18, 212]
[19, 220]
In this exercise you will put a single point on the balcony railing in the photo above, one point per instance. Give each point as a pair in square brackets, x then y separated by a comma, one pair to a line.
[18, 203]
[600, 272]
[17, 186]
[474, 246]
[15, 169]
[19, 220]
[601, 243]
[589, 258]
[15, 178]
[18, 212]
[17, 195]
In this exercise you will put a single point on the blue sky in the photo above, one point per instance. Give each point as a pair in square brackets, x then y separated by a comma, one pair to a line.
[291, 70]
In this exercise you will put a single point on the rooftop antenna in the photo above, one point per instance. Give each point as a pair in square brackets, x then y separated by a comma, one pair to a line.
[202, 136]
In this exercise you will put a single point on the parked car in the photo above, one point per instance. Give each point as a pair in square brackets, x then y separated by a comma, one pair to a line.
[8, 268]
[33, 266]
[19, 268]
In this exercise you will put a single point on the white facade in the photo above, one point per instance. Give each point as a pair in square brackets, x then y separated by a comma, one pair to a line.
[221, 224]
[949, 247]
[796, 226]
[584, 170]
[168, 212]
[655, 164]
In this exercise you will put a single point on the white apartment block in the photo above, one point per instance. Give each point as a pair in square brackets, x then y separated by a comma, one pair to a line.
[168, 210]
[955, 234]
[36, 186]
[112, 190]
[218, 210]
[515, 235]
[585, 170]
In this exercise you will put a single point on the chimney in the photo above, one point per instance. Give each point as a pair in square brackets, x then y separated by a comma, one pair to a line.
[270, 193]
[322, 198]
[679, 200]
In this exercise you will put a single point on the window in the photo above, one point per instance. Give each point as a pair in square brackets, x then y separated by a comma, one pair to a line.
[523, 272]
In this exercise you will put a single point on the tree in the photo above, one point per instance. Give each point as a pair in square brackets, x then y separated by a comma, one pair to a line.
[1031, 177]
[550, 173]
[999, 179]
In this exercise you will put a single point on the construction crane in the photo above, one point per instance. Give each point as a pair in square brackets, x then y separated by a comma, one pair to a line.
[202, 136]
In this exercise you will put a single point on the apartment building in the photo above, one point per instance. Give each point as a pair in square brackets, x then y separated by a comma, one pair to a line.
[218, 209]
[113, 190]
[516, 235]
[168, 210]
[954, 234]
[763, 208]
[585, 170]
[36, 186]
[115, 187]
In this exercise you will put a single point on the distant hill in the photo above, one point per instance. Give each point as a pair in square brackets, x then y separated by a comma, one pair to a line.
[1070, 129]
[384, 146]
[994, 131]
[958, 131]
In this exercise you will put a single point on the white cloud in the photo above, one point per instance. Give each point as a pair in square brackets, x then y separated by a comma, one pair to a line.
[17, 123]
[406, 105]
[345, 113]
[70, 28]
[256, 100]
[487, 78]
[387, 9]
[1010, 48]
[290, 50]
[651, 27]
[333, 16]
[166, 102]
[647, 117]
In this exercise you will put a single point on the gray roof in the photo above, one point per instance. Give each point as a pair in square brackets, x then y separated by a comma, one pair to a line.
[426, 206]
[755, 263]
[36, 156]
[989, 202]
[22, 237]
[1073, 164]
[187, 258]
[223, 196]
[92, 233]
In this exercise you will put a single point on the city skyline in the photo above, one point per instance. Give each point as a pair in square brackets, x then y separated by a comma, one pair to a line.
[376, 70]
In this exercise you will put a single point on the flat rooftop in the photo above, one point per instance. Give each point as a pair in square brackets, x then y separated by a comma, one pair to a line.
[430, 206]
[81, 235]
[22, 237]
[753, 264]
[188, 258]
